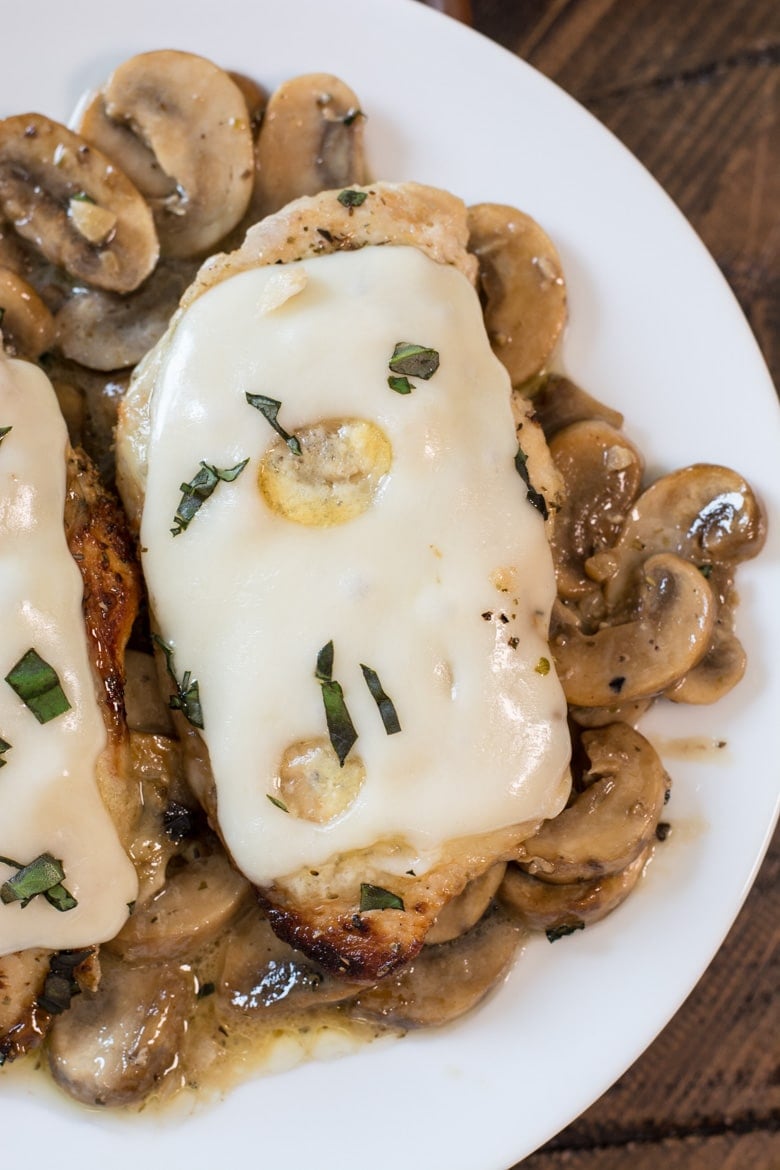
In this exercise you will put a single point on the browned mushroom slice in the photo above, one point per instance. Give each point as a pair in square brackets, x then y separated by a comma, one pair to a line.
[311, 140]
[543, 905]
[443, 982]
[26, 325]
[522, 282]
[630, 712]
[105, 331]
[261, 975]
[466, 909]
[721, 668]
[601, 472]
[704, 513]
[193, 907]
[78, 209]
[641, 655]
[612, 820]
[116, 1045]
[193, 157]
[558, 402]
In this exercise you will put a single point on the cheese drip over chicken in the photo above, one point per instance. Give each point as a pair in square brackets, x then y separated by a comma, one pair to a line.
[49, 799]
[390, 522]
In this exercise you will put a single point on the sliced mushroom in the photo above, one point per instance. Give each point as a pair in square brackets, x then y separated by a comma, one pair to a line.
[311, 140]
[718, 672]
[704, 513]
[630, 712]
[193, 157]
[522, 283]
[105, 331]
[466, 909]
[543, 905]
[612, 820]
[261, 975]
[558, 402]
[26, 325]
[116, 1045]
[444, 981]
[196, 903]
[664, 637]
[45, 171]
[602, 473]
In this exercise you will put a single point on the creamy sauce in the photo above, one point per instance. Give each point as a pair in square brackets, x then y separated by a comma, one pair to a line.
[49, 800]
[246, 597]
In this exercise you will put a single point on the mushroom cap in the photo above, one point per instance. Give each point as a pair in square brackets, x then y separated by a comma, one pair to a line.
[667, 631]
[544, 905]
[522, 282]
[44, 169]
[610, 822]
[193, 119]
[310, 140]
[602, 473]
[705, 513]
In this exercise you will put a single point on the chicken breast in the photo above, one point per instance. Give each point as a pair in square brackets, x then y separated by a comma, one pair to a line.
[354, 514]
[53, 716]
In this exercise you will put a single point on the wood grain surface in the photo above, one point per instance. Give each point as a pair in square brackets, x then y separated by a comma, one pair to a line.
[691, 89]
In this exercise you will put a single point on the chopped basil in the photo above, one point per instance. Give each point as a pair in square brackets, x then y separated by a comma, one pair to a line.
[198, 490]
[278, 803]
[418, 361]
[5, 746]
[187, 696]
[555, 932]
[3, 430]
[82, 197]
[44, 875]
[384, 703]
[269, 408]
[350, 198]
[61, 984]
[340, 726]
[533, 496]
[376, 898]
[542, 666]
[401, 384]
[37, 685]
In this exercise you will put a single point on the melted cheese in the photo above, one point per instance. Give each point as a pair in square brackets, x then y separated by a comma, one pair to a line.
[443, 585]
[49, 801]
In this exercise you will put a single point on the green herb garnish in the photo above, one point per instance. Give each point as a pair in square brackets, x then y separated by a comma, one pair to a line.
[534, 497]
[384, 702]
[277, 802]
[340, 726]
[350, 198]
[198, 490]
[542, 666]
[377, 898]
[83, 197]
[187, 696]
[4, 747]
[3, 430]
[44, 875]
[555, 932]
[401, 384]
[37, 685]
[269, 408]
[418, 361]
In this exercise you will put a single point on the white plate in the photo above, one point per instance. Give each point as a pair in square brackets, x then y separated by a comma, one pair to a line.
[655, 331]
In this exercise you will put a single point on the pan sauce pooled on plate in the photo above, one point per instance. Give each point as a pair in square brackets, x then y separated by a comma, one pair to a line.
[320, 449]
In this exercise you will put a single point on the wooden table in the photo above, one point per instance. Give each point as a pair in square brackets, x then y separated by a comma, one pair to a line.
[691, 89]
